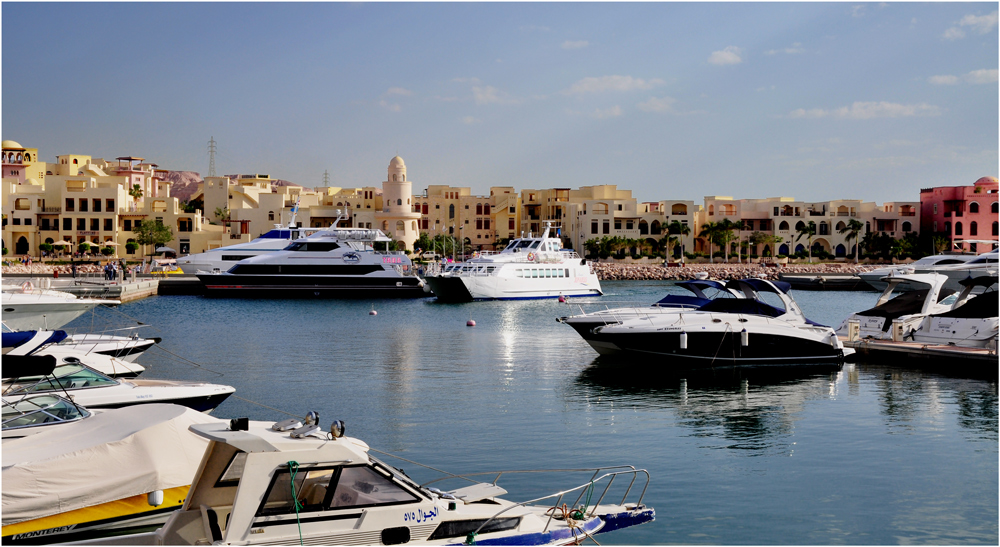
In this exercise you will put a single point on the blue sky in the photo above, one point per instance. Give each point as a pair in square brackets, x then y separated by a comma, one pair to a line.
[673, 101]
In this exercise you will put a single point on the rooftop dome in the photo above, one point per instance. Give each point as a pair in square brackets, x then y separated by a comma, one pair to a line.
[13, 144]
[396, 162]
[984, 180]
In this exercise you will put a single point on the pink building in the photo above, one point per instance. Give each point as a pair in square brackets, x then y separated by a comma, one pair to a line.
[962, 213]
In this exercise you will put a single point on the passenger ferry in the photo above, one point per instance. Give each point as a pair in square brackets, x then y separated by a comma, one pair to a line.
[529, 267]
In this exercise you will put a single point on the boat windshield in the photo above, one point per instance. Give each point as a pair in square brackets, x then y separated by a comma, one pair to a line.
[63, 377]
[313, 246]
[45, 409]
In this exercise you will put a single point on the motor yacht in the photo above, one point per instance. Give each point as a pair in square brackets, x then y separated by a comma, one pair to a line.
[972, 321]
[223, 258]
[726, 332]
[335, 263]
[529, 267]
[291, 482]
[29, 415]
[985, 264]
[115, 472]
[927, 264]
[26, 307]
[88, 387]
[701, 292]
[897, 312]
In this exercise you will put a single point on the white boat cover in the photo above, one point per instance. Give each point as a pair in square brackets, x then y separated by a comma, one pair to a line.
[109, 456]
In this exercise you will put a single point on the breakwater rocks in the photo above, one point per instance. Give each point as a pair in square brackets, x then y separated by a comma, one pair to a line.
[607, 271]
[47, 269]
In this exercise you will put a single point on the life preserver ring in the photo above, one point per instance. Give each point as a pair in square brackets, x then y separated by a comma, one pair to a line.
[27, 286]
[475, 254]
[531, 257]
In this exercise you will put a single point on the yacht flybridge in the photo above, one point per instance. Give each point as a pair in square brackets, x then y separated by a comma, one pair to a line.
[294, 483]
[529, 267]
[334, 262]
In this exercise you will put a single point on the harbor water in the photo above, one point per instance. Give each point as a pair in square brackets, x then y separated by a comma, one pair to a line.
[868, 454]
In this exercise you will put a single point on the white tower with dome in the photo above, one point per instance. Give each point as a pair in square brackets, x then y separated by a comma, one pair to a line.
[397, 218]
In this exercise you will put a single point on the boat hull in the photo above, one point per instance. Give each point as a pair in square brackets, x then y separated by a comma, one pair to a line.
[277, 286]
[467, 289]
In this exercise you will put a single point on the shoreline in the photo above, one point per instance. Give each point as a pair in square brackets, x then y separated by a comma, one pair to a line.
[720, 271]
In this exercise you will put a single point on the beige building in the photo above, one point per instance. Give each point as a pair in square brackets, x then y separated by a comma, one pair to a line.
[480, 221]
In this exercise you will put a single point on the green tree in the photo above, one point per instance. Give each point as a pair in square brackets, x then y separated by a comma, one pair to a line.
[940, 243]
[222, 213]
[131, 247]
[135, 192]
[852, 229]
[807, 231]
[710, 231]
[679, 229]
[153, 233]
[724, 235]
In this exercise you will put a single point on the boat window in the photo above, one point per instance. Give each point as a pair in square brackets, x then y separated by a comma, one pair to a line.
[364, 487]
[313, 246]
[566, 272]
[236, 258]
[534, 244]
[311, 487]
[518, 273]
[462, 528]
[40, 410]
[949, 300]
[490, 269]
[524, 244]
[63, 377]
[534, 272]
[548, 272]
[231, 476]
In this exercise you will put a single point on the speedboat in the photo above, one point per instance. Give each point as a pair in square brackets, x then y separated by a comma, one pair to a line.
[726, 332]
[118, 471]
[88, 387]
[972, 321]
[529, 267]
[123, 348]
[702, 291]
[927, 264]
[985, 264]
[291, 482]
[29, 415]
[335, 262]
[897, 312]
[224, 258]
[51, 343]
[28, 308]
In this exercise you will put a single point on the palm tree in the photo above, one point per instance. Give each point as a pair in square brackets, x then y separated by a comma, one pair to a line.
[135, 192]
[809, 231]
[710, 231]
[852, 229]
[681, 230]
[725, 229]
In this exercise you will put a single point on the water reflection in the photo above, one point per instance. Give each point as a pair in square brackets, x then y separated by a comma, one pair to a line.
[748, 410]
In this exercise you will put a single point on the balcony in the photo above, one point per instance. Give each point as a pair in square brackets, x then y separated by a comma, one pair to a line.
[51, 209]
[910, 214]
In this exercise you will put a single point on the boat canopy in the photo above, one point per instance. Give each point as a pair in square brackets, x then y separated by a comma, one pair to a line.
[21, 366]
[19, 338]
[981, 307]
[110, 456]
[978, 281]
[761, 285]
[742, 305]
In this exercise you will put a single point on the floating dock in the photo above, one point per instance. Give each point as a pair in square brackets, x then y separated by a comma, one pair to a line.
[826, 282]
[982, 362]
[92, 287]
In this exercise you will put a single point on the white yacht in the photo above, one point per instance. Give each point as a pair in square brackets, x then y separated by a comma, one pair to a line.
[28, 308]
[294, 483]
[985, 264]
[117, 471]
[529, 267]
[123, 348]
[972, 322]
[87, 387]
[726, 332]
[335, 262]
[224, 258]
[897, 312]
[927, 264]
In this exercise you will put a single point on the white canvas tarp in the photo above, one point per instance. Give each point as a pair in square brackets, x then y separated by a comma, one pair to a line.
[109, 456]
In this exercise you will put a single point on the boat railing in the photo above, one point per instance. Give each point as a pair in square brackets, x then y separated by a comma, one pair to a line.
[609, 474]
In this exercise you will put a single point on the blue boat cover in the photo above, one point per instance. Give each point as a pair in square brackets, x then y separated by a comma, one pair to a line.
[277, 234]
[682, 300]
[19, 338]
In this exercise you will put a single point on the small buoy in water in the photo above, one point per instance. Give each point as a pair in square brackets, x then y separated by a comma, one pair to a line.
[562, 298]
[373, 312]
[470, 323]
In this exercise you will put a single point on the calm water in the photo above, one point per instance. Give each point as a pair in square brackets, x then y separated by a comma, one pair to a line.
[866, 455]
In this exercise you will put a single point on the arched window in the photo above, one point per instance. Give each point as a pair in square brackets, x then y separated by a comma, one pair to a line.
[973, 207]
[800, 225]
[958, 228]
[394, 178]
[399, 201]
[404, 177]
[973, 228]
[907, 227]
[451, 211]
[993, 208]
[654, 228]
[841, 225]
[841, 250]
[783, 226]
[270, 215]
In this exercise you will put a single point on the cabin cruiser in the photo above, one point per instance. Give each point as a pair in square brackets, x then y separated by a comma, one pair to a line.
[972, 321]
[51, 343]
[118, 471]
[897, 312]
[223, 258]
[88, 387]
[28, 415]
[263, 483]
[702, 291]
[529, 267]
[335, 262]
[28, 308]
[927, 264]
[727, 332]
[124, 348]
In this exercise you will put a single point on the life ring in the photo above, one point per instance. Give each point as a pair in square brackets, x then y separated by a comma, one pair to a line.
[531, 257]
[475, 254]
[27, 286]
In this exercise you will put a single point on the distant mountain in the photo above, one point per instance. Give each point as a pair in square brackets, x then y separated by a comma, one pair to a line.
[184, 184]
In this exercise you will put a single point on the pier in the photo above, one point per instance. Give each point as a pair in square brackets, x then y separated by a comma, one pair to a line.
[94, 287]
[981, 362]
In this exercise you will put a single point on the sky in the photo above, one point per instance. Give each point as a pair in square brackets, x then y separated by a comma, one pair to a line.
[816, 101]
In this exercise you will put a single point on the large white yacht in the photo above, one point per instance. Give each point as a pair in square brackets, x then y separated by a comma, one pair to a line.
[224, 258]
[529, 267]
[28, 308]
[927, 264]
[335, 262]
[956, 267]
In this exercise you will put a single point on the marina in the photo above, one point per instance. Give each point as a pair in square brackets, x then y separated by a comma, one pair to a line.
[846, 455]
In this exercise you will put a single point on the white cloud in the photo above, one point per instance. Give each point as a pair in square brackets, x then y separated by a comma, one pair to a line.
[578, 44]
[611, 83]
[612, 112]
[473, 81]
[732, 55]
[469, 120]
[658, 104]
[796, 48]
[389, 106]
[868, 110]
[858, 11]
[491, 95]
[399, 91]
[982, 76]
[980, 24]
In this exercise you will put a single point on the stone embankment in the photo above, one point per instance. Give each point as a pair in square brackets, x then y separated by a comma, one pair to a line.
[47, 269]
[644, 272]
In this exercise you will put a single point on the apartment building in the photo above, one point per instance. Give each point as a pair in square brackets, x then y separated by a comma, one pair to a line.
[479, 221]
[962, 213]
